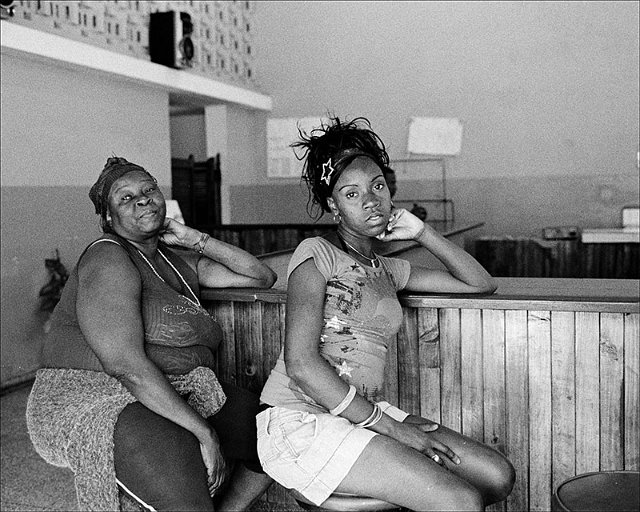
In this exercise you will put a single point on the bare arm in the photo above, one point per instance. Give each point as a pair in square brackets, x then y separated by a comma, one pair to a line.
[108, 309]
[465, 274]
[223, 265]
[316, 377]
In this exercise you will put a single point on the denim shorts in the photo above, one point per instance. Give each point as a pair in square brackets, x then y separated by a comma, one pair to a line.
[311, 453]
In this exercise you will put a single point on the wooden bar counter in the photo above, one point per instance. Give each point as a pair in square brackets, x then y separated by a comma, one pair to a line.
[544, 370]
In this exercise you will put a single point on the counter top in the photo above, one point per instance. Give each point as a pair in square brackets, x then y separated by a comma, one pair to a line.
[603, 295]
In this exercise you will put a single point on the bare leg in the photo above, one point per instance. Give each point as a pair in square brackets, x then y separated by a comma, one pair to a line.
[483, 476]
[391, 471]
[483, 467]
[245, 487]
[159, 461]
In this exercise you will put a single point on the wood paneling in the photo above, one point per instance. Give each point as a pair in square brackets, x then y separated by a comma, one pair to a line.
[533, 257]
[517, 405]
[611, 391]
[631, 386]
[539, 417]
[587, 389]
[556, 391]
[472, 396]
[563, 399]
[261, 239]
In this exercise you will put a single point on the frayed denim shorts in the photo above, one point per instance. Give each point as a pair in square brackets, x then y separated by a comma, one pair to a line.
[311, 453]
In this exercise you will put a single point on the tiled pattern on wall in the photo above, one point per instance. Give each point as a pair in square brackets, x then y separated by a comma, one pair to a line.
[222, 30]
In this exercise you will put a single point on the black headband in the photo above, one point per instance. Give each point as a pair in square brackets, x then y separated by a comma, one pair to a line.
[114, 169]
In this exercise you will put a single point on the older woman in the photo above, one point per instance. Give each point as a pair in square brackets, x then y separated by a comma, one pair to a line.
[128, 395]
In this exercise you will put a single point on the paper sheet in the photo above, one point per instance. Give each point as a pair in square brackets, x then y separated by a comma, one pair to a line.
[281, 132]
[434, 136]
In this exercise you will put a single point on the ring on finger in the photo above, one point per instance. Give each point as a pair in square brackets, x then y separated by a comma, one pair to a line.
[436, 458]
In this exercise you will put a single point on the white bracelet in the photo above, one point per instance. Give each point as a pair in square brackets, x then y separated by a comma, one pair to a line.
[375, 417]
[345, 401]
[393, 412]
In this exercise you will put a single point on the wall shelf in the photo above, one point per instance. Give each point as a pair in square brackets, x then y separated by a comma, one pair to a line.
[183, 87]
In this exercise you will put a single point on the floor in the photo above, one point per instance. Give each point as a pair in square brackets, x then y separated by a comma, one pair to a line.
[27, 482]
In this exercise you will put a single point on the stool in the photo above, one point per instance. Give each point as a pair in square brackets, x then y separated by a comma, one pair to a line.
[344, 502]
[598, 492]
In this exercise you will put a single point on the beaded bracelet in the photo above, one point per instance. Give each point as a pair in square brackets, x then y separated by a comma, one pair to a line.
[204, 238]
[346, 401]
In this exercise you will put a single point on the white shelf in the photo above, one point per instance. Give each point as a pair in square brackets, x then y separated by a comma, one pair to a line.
[611, 236]
[194, 89]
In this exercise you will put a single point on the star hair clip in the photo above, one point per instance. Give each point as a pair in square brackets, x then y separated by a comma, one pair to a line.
[327, 172]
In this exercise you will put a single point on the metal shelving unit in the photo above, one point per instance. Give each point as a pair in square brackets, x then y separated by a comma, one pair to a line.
[438, 203]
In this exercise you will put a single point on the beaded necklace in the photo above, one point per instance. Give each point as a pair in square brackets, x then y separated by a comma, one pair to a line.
[195, 301]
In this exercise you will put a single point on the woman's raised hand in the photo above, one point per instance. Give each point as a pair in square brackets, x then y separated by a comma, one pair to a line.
[402, 225]
[176, 233]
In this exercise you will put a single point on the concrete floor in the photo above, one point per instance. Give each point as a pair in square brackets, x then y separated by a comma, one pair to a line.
[27, 482]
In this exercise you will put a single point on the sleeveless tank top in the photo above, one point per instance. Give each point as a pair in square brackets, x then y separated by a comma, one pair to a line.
[174, 321]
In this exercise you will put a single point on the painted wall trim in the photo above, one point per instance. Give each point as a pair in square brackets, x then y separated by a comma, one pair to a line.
[51, 48]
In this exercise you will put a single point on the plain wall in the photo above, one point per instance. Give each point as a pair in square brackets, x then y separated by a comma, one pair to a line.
[188, 137]
[547, 93]
[58, 127]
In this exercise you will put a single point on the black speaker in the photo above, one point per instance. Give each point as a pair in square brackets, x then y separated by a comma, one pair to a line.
[170, 41]
[6, 8]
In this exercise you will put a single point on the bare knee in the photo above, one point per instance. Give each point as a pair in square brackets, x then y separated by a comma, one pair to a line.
[501, 477]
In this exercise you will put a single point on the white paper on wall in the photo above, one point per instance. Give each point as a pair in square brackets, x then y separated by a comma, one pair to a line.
[281, 132]
[435, 136]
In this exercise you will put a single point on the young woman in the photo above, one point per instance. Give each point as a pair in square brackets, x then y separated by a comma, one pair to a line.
[324, 427]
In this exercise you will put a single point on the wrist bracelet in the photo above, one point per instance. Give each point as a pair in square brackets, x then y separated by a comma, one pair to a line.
[346, 401]
[393, 412]
[375, 417]
[204, 238]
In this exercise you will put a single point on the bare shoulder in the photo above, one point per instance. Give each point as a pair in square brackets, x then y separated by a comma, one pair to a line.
[107, 260]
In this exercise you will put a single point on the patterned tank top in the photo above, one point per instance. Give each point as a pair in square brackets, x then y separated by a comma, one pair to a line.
[172, 319]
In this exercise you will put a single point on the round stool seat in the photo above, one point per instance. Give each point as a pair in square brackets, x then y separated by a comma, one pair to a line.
[345, 502]
[605, 491]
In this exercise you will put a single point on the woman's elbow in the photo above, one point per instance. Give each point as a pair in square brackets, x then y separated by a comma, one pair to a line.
[268, 278]
[128, 374]
[489, 286]
[298, 371]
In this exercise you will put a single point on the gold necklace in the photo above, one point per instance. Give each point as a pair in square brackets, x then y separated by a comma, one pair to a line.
[374, 261]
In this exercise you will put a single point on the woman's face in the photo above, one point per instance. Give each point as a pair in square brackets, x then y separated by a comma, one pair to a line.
[136, 206]
[362, 198]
